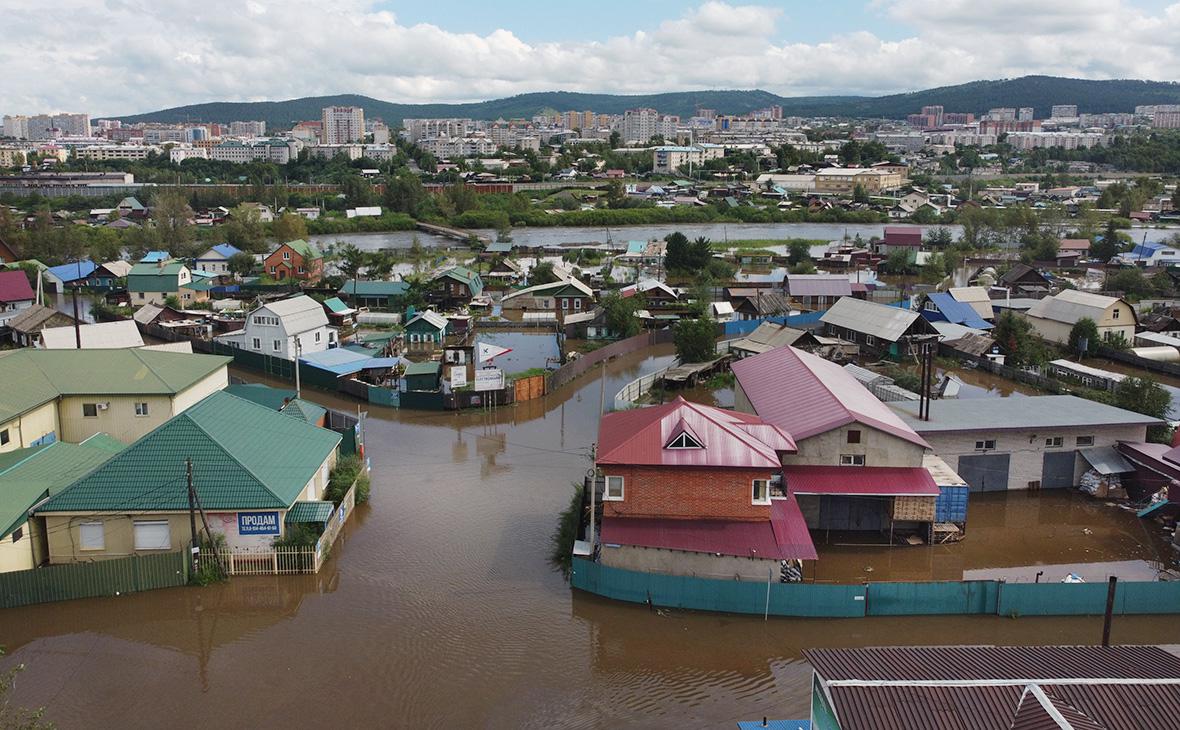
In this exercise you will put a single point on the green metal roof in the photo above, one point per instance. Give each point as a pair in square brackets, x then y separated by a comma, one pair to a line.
[318, 512]
[430, 367]
[263, 395]
[364, 288]
[245, 456]
[203, 285]
[29, 475]
[305, 249]
[464, 275]
[335, 305]
[306, 410]
[33, 377]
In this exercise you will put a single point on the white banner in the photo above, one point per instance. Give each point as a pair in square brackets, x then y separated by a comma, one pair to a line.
[489, 379]
[458, 376]
[486, 352]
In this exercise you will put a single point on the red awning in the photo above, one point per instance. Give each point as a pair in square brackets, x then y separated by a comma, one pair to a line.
[782, 537]
[861, 481]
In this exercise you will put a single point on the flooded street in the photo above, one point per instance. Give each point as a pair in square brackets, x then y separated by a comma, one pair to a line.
[439, 608]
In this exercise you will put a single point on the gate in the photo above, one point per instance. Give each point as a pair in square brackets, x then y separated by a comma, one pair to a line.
[985, 472]
[1057, 469]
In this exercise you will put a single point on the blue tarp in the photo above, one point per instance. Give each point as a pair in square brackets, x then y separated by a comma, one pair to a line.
[955, 312]
[73, 272]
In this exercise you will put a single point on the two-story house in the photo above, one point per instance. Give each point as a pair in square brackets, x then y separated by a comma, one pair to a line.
[560, 297]
[1054, 317]
[152, 283]
[688, 489]
[284, 328]
[15, 294]
[455, 286]
[296, 259]
[216, 260]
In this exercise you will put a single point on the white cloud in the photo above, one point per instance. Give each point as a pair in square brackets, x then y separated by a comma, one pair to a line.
[125, 56]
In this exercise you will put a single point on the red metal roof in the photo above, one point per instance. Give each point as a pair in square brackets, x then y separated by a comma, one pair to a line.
[782, 537]
[730, 439]
[14, 287]
[865, 481]
[806, 395]
[903, 236]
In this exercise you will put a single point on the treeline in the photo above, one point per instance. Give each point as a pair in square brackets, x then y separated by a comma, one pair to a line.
[1157, 151]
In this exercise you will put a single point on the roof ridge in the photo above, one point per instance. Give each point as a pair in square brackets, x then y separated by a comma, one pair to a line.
[742, 436]
[188, 415]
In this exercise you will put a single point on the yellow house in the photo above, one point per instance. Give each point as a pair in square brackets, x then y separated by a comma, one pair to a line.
[71, 395]
[1053, 317]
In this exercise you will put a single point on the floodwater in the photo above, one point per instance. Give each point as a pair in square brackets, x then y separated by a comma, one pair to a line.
[440, 608]
[528, 349]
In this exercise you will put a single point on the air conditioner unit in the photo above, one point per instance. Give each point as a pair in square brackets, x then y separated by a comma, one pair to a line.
[103, 406]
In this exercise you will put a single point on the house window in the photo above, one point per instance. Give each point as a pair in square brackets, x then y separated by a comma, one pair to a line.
[1085, 440]
[152, 535]
[684, 441]
[870, 340]
[852, 459]
[90, 536]
[272, 269]
[1054, 442]
[317, 336]
[614, 489]
[18, 534]
[257, 343]
[931, 306]
[985, 445]
[577, 304]
[565, 304]
[4, 437]
[141, 409]
[761, 492]
[302, 270]
[141, 295]
[286, 255]
[853, 436]
[1114, 314]
[90, 410]
[277, 345]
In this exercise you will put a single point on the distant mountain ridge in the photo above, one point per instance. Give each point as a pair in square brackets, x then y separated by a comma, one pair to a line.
[1039, 92]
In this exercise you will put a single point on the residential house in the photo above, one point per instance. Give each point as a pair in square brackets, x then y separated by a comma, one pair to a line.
[1078, 246]
[589, 325]
[16, 294]
[977, 298]
[373, 294]
[504, 273]
[769, 336]
[284, 328]
[8, 254]
[815, 292]
[757, 303]
[899, 237]
[1053, 317]
[155, 257]
[216, 260]
[70, 395]
[560, 297]
[153, 283]
[65, 276]
[1023, 281]
[118, 334]
[1150, 254]
[129, 207]
[1038, 442]
[30, 475]
[1001, 687]
[296, 259]
[427, 328]
[251, 467]
[265, 212]
[340, 315]
[108, 275]
[857, 464]
[283, 401]
[687, 490]
[422, 375]
[656, 294]
[455, 287]
[880, 328]
[25, 327]
[943, 307]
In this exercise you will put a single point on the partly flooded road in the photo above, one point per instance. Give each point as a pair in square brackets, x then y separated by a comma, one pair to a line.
[440, 608]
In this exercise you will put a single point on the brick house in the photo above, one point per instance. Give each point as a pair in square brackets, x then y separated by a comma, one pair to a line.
[688, 489]
[296, 259]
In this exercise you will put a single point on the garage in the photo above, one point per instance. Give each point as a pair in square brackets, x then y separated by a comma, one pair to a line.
[985, 472]
[1058, 468]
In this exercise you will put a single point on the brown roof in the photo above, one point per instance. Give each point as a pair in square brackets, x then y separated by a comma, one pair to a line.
[36, 317]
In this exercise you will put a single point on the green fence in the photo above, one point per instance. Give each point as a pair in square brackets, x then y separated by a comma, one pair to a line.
[979, 597]
[90, 580]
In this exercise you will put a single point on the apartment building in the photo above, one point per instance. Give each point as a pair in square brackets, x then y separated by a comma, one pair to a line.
[247, 129]
[343, 124]
[640, 125]
[1045, 140]
[116, 152]
[670, 159]
[844, 180]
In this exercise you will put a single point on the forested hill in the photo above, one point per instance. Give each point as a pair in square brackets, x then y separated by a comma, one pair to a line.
[1039, 92]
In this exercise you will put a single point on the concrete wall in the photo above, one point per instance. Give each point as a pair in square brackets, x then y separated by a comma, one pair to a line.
[687, 492]
[678, 562]
[27, 428]
[879, 448]
[17, 555]
[1027, 448]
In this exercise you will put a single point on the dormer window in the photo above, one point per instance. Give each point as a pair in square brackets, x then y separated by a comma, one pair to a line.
[684, 441]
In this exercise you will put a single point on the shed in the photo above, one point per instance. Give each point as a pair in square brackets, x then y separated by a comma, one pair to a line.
[422, 375]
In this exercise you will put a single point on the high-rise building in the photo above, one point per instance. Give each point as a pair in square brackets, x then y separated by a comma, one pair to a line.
[1025, 114]
[247, 129]
[343, 124]
[16, 126]
[934, 111]
[1002, 114]
[1064, 111]
[1166, 120]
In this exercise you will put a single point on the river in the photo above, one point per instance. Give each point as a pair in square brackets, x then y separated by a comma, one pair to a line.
[439, 608]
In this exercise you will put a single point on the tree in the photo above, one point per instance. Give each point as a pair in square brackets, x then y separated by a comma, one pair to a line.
[1083, 337]
[288, 227]
[350, 260]
[798, 251]
[1144, 395]
[1131, 282]
[173, 302]
[405, 193]
[695, 340]
[381, 264]
[241, 264]
[939, 237]
[1014, 334]
[615, 194]
[1107, 246]
[859, 194]
[244, 229]
[619, 312]
[172, 217]
[684, 256]
[543, 273]
[900, 261]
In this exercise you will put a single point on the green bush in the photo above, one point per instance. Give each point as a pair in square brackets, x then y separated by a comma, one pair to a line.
[348, 470]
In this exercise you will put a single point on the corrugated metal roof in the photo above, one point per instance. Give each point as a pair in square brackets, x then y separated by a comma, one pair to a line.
[305, 410]
[369, 288]
[1071, 305]
[1038, 411]
[14, 286]
[97, 336]
[925, 708]
[864, 481]
[28, 475]
[434, 319]
[818, 285]
[297, 314]
[957, 312]
[263, 395]
[336, 306]
[32, 317]
[430, 367]
[730, 439]
[878, 320]
[783, 537]
[975, 296]
[73, 271]
[807, 395]
[245, 456]
[313, 511]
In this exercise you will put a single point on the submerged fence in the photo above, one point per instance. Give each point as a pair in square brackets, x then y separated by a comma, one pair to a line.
[991, 598]
[90, 580]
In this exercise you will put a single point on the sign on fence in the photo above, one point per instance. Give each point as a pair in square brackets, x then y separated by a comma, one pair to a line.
[489, 379]
[458, 376]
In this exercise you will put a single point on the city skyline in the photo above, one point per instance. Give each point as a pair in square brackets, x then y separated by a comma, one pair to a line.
[130, 60]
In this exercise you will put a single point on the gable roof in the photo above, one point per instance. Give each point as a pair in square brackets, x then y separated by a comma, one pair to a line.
[301, 247]
[15, 287]
[222, 251]
[432, 318]
[729, 438]
[245, 456]
[463, 275]
[34, 377]
[34, 317]
[1022, 271]
[117, 268]
[97, 336]
[768, 336]
[1070, 305]
[30, 475]
[957, 312]
[555, 286]
[72, 271]
[373, 288]
[263, 395]
[335, 305]
[298, 314]
[818, 285]
[1034, 411]
[807, 395]
[976, 297]
[879, 320]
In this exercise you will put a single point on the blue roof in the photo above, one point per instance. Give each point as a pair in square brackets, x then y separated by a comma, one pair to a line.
[343, 361]
[957, 312]
[636, 246]
[73, 272]
[1145, 250]
[152, 257]
[226, 249]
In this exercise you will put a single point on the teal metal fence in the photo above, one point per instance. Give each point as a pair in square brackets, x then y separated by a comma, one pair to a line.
[89, 580]
[981, 597]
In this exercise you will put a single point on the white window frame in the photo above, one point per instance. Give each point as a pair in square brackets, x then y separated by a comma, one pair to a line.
[4, 437]
[286, 255]
[257, 343]
[982, 444]
[765, 498]
[852, 459]
[141, 409]
[317, 336]
[88, 542]
[870, 340]
[684, 441]
[144, 544]
[1084, 441]
[606, 491]
[1054, 442]
[277, 345]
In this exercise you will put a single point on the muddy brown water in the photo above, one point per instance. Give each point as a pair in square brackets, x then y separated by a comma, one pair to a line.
[439, 607]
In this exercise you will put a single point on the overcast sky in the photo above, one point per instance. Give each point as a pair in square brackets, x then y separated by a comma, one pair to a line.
[112, 57]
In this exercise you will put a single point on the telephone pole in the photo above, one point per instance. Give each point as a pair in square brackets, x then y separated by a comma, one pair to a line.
[194, 548]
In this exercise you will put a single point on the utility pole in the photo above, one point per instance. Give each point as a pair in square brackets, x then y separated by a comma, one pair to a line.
[298, 351]
[77, 326]
[204, 520]
[194, 548]
[1110, 589]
